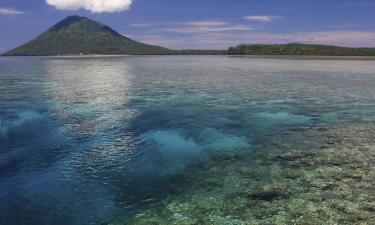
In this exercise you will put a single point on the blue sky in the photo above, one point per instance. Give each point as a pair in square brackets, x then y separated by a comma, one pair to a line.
[206, 24]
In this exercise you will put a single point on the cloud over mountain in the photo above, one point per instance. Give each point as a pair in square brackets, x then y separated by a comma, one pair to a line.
[95, 6]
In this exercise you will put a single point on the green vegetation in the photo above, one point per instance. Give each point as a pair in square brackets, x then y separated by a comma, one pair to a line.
[78, 35]
[299, 49]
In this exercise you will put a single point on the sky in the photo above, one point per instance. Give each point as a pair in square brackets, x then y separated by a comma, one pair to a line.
[201, 24]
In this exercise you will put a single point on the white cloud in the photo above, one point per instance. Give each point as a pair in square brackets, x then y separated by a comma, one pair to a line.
[259, 18]
[207, 23]
[205, 26]
[140, 25]
[95, 6]
[208, 29]
[10, 11]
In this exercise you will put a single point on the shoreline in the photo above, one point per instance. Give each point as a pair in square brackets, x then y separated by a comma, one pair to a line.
[290, 57]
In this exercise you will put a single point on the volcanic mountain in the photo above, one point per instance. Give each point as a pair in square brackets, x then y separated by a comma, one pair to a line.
[77, 35]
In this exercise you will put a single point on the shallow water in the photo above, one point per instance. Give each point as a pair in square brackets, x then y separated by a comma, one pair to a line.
[88, 140]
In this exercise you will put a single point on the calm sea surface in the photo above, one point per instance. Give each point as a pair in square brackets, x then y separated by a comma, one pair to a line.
[87, 140]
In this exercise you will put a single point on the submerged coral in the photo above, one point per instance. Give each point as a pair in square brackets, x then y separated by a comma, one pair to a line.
[328, 178]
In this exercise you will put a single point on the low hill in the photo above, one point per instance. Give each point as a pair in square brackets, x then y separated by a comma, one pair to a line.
[299, 49]
[77, 35]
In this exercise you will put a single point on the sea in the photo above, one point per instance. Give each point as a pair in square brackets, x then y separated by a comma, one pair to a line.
[216, 140]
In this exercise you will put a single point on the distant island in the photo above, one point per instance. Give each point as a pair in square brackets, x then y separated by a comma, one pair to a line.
[300, 49]
[77, 35]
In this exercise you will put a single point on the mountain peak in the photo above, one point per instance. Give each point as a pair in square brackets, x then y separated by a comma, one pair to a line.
[81, 23]
[77, 35]
[74, 18]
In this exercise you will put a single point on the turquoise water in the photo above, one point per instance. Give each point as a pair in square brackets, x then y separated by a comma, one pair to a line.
[86, 139]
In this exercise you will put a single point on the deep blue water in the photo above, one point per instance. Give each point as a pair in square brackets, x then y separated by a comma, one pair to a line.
[83, 139]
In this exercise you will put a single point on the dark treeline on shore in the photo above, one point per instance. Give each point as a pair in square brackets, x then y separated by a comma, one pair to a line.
[299, 49]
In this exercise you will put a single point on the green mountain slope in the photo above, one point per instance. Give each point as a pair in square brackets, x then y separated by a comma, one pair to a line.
[79, 35]
[300, 49]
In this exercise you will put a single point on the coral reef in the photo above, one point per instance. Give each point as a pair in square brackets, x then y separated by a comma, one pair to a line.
[326, 177]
